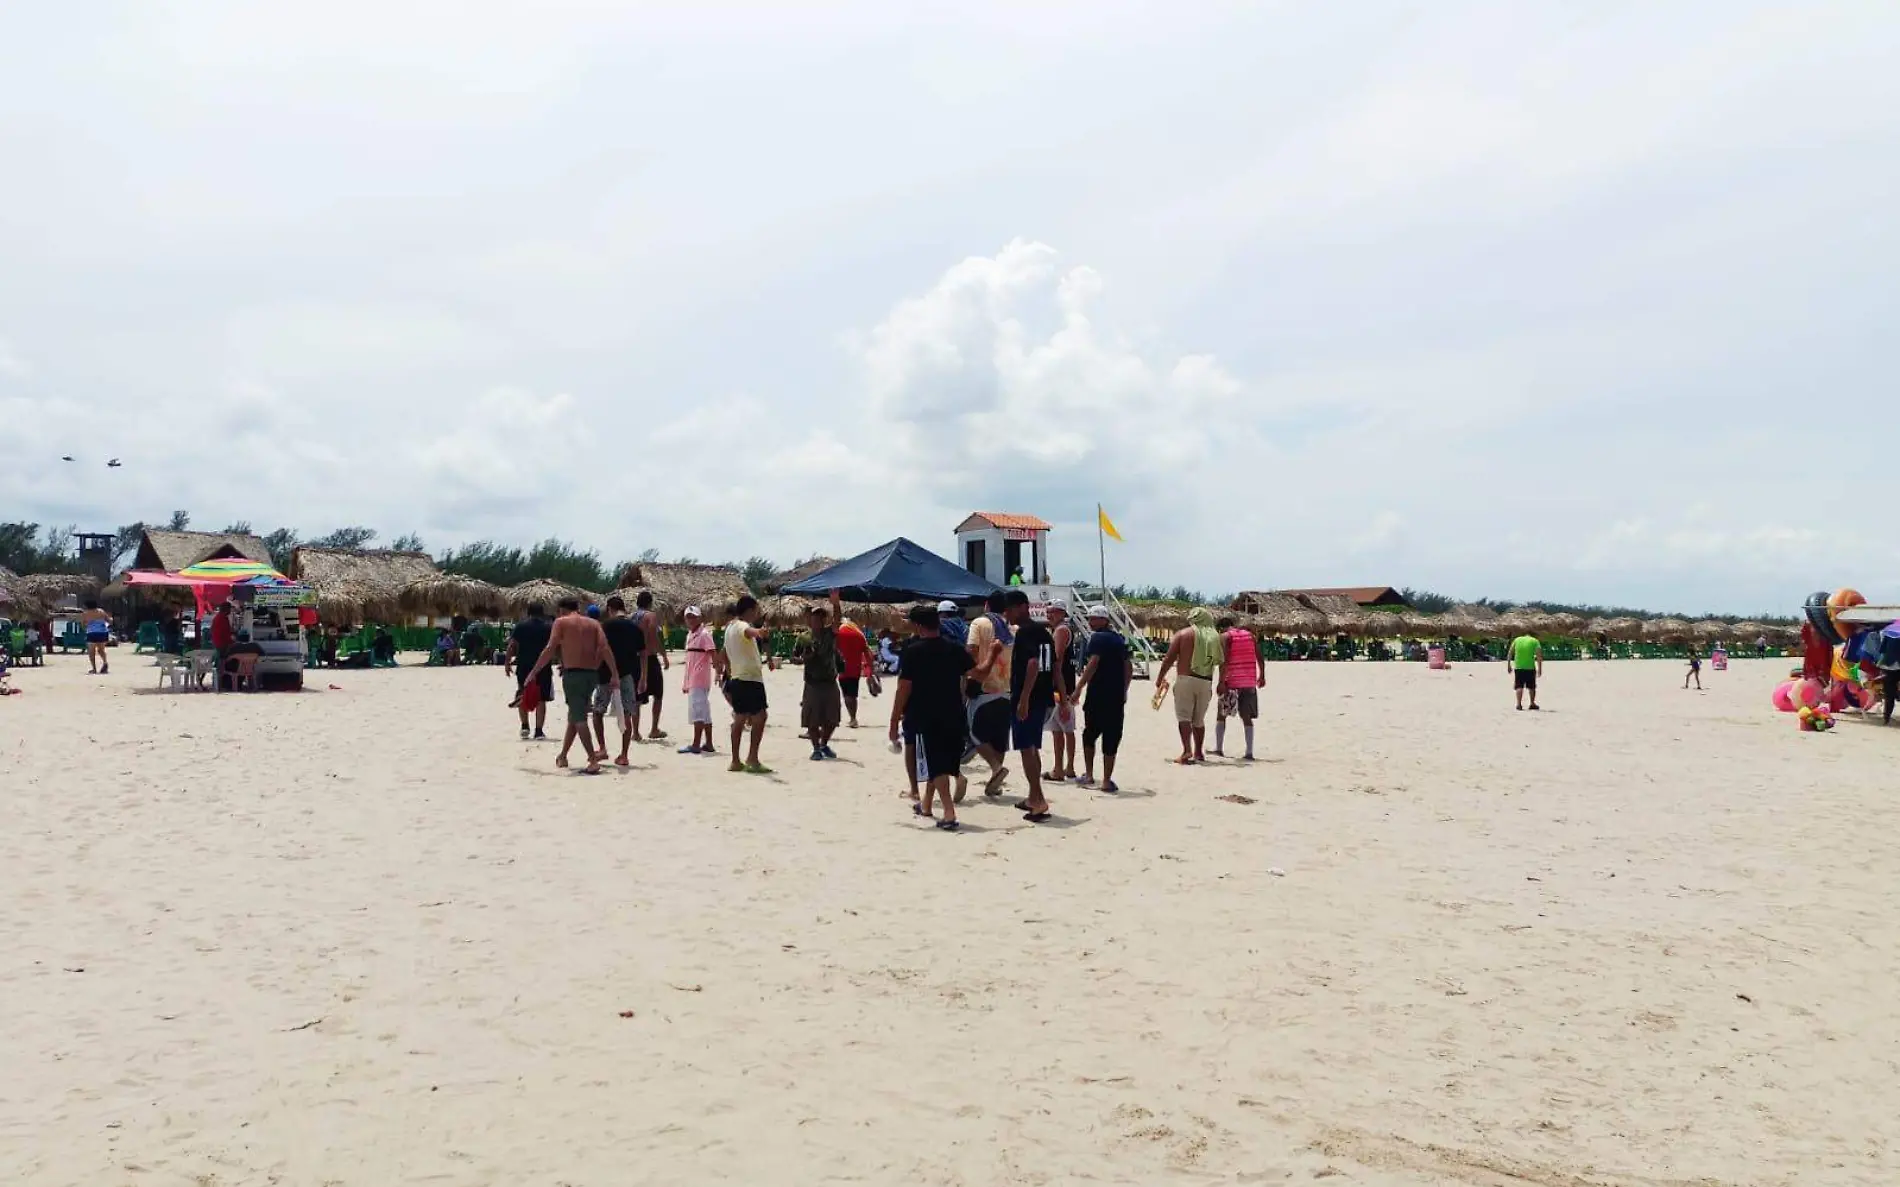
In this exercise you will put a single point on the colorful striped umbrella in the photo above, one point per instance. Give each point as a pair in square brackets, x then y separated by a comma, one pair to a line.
[231, 569]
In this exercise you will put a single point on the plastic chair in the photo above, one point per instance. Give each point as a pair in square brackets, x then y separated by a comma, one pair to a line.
[242, 669]
[204, 662]
[148, 638]
[175, 671]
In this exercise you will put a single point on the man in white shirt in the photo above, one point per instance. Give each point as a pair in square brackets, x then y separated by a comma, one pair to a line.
[745, 682]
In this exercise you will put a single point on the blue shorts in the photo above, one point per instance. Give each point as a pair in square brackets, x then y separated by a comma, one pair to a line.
[1027, 735]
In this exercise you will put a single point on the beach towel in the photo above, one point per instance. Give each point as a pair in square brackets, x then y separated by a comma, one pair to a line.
[1208, 652]
[530, 696]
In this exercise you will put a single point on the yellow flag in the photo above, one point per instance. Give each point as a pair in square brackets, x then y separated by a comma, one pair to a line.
[1108, 525]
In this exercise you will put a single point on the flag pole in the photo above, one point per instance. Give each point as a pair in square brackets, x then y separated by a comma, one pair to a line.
[1101, 548]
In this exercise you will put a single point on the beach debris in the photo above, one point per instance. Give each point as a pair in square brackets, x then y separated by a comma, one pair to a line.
[80, 969]
[1746, 998]
[1235, 799]
[686, 988]
[304, 1026]
[1275, 872]
[623, 1014]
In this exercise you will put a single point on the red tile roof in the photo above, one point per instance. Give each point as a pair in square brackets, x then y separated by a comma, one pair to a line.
[1000, 519]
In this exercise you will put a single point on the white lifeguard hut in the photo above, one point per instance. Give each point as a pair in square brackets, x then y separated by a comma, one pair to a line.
[994, 544]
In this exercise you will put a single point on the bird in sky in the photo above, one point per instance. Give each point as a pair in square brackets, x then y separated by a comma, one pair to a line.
[114, 464]
[65, 457]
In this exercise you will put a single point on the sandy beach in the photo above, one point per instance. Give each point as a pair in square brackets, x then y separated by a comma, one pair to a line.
[365, 936]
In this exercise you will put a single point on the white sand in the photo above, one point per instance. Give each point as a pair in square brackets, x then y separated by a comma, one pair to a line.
[367, 937]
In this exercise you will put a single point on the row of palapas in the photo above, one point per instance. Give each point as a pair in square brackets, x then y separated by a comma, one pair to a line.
[354, 586]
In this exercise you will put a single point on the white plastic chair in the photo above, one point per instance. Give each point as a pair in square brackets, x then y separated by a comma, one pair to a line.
[203, 663]
[175, 671]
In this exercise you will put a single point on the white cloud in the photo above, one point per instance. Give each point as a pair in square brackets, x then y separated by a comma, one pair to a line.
[1498, 299]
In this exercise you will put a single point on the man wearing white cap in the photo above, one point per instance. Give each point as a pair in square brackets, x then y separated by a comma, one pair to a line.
[700, 649]
[951, 625]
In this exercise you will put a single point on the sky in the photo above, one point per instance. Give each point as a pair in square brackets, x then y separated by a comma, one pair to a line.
[1560, 300]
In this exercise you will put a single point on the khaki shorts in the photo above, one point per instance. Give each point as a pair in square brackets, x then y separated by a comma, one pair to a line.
[1193, 695]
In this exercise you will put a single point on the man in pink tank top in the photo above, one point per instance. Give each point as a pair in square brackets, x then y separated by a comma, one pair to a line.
[1238, 692]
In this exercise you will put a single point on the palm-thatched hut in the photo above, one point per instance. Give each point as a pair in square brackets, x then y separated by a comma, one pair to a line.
[1343, 615]
[1668, 630]
[8, 602]
[799, 572]
[359, 584]
[38, 595]
[781, 612]
[713, 588]
[1710, 630]
[546, 592]
[1569, 625]
[169, 552]
[1623, 630]
[438, 594]
[1280, 614]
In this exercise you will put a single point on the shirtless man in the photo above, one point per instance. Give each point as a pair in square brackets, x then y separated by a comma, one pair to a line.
[581, 646]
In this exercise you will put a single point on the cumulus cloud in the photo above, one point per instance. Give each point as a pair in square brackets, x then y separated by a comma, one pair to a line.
[1003, 382]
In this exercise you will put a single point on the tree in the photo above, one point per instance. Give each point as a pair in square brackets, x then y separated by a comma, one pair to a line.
[180, 522]
[687, 560]
[125, 543]
[650, 557]
[241, 528]
[756, 571]
[408, 542]
[282, 544]
[350, 537]
[25, 549]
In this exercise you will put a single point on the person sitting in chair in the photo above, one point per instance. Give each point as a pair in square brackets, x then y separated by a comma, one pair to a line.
[382, 648]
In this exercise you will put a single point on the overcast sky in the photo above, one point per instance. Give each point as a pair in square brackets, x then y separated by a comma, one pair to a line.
[1565, 300]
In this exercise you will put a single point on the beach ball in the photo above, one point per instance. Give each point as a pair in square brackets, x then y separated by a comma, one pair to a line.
[1784, 696]
[1806, 694]
[1842, 600]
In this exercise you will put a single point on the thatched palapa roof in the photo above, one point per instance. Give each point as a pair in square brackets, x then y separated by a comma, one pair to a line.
[1343, 615]
[713, 588]
[1668, 630]
[546, 591]
[172, 551]
[452, 593]
[1280, 614]
[357, 583]
[810, 568]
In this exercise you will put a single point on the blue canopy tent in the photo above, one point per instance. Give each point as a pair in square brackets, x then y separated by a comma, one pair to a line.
[900, 571]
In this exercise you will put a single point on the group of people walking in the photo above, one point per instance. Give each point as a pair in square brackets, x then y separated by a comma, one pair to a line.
[966, 691]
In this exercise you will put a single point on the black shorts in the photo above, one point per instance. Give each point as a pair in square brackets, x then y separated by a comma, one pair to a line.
[1103, 723]
[747, 697]
[991, 725]
[545, 680]
[939, 751]
[849, 686]
[1527, 678]
[656, 681]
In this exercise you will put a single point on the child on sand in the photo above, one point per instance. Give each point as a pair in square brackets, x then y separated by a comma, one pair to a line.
[1695, 670]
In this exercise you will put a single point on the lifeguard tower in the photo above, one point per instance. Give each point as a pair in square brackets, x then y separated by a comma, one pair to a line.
[992, 544]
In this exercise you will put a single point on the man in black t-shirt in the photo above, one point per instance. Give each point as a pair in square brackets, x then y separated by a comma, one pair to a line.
[929, 708]
[1104, 691]
[1032, 692]
[626, 640]
[525, 643]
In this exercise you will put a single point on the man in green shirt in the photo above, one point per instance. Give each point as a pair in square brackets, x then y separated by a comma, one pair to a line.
[1527, 664]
